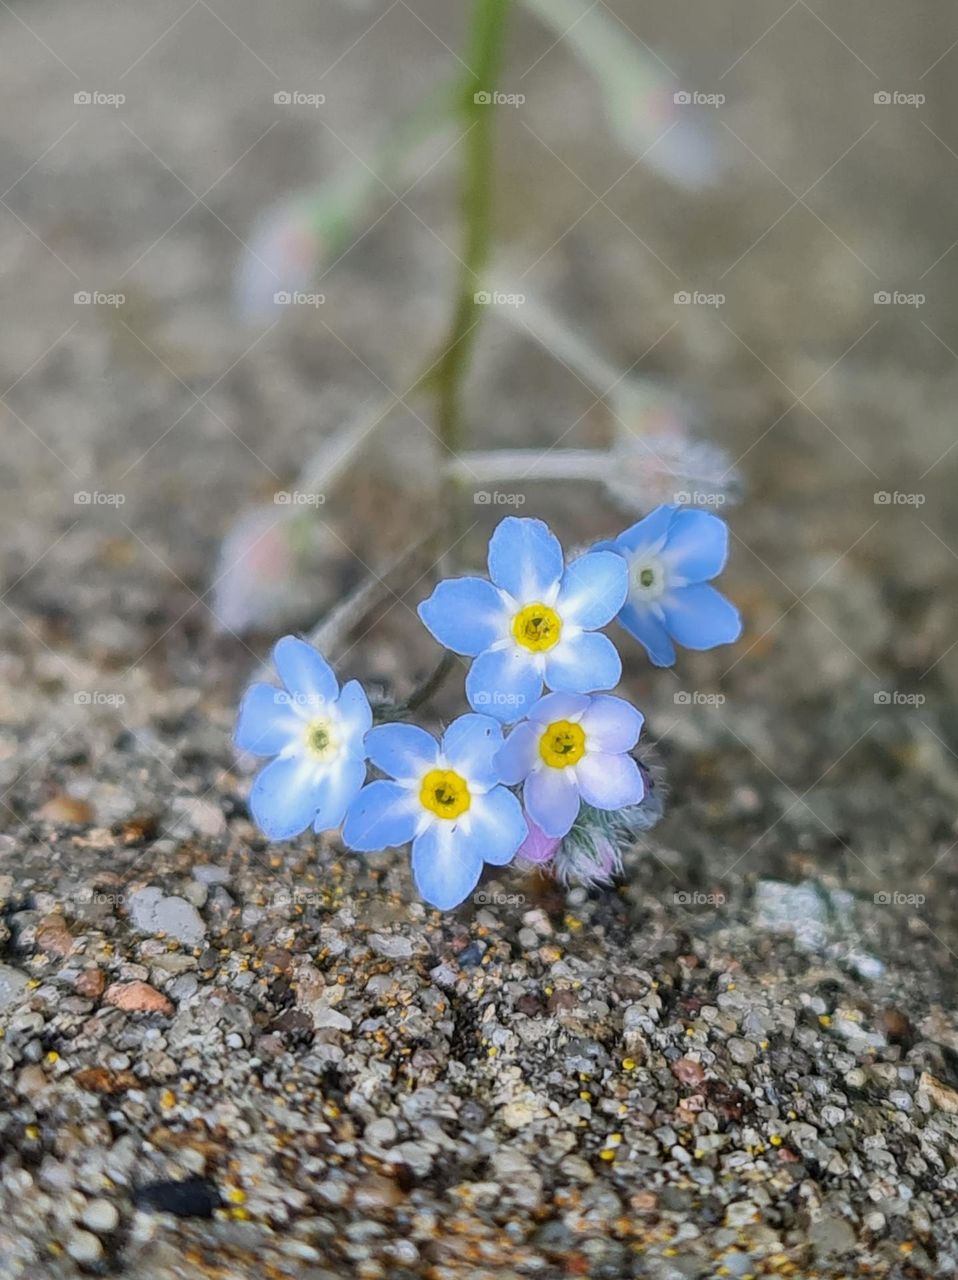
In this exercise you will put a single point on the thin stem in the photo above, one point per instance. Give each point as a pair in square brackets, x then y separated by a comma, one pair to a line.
[484, 59]
[423, 691]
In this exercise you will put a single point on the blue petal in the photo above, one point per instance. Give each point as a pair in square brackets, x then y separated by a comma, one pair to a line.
[519, 753]
[642, 623]
[611, 724]
[647, 532]
[697, 546]
[470, 745]
[559, 706]
[610, 781]
[267, 722]
[503, 683]
[700, 617]
[586, 662]
[493, 828]
[525, 558]
[402, 750]
[593, 589]
[355, 715]
[283, 799]
[551, 798]
[382, 815]
[466, 615]
[336, 791]
[445, 871]
[305, 673]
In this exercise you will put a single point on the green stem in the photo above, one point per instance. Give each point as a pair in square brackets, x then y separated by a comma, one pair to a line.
[484, 59]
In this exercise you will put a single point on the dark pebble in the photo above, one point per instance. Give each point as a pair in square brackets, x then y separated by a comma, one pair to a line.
[192, 1198]
[472, 955]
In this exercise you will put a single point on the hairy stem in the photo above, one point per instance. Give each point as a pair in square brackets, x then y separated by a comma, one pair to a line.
[484, 59]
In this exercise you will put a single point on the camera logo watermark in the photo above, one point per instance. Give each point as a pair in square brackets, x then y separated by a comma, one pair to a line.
[896, 698]
[87, 897]
[298, 498]
[297, 98]
[83, 498]
[694, 898]
[696, 299]
[485, 98]
[483, 698]
[895, 298]
[695, 98]
[483, 898]
[297, 299]
[895, 499]
[895, 98]
[699, 498]
[95, 298]
[496, 498]
[892, 898]
[296, 898]
[97, 98]
[695, 698]
[494, 298]
[97, 698]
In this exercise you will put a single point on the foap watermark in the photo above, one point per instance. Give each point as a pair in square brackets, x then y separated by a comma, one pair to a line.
[898, 698]
[695, 898]
[298, 98]
[96, 298]
[98, 698]
[699, 498]
[896, 98]
[483, 698]
[695, 698]
[497, 498]
[298, 498]
[84, 498]
[97, 98]
[307, 701]
[696, 98]
[894, 898]
[495, 298]
[87, 896]
[296, 898]
[895, 298]
[488, 898]
[884, 498]
[685, 298]
[493, 98]
[298, 299]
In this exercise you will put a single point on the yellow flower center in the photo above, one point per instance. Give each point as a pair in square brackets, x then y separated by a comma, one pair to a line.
[537, 627]
[445, 793]
[321, 742]
[562, 744]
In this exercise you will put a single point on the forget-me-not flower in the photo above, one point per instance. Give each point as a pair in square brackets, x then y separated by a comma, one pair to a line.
[671, 555]
[534, 622]
[316, 734]
[572, 748]
[443, 797]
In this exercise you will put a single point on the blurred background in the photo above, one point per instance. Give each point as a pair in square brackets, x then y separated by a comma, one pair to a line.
[751, 208]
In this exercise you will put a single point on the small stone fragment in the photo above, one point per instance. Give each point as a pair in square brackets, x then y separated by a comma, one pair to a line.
[100, 1216]
[91, 983]
[138, 997]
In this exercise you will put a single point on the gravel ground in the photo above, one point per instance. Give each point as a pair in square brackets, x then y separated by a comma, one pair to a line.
[225, 1059]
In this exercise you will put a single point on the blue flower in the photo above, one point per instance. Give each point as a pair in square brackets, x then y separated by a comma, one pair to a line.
[671, 555]
[534, 622]
[573, 748]
[316, 734]
[445, 798]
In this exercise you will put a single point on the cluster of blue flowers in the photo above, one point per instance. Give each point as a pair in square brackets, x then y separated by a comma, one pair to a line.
[533, 625]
